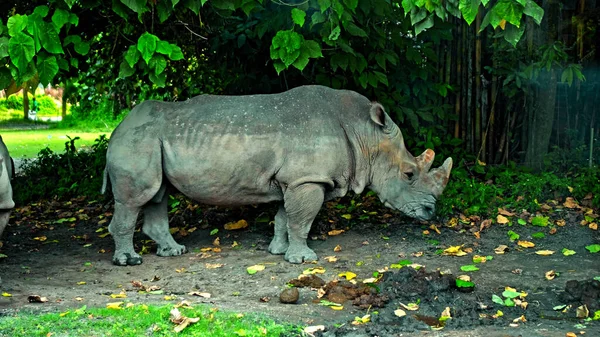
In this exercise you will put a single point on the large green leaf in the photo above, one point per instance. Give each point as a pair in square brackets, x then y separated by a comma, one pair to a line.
[176, 53]
[125, 70]
[60, 17]
[138, 6]
[82, 48]
[324, 5]
[16, 24]
[513, 34]
[163, 47]
[132, 56]
[317, 18]
[298, 16]
[35, 26]
[423, 25]
[159, 80]
[469, 9]
[21, 49]
[158, 63]
[49, 39]
[313, 48]
[302, 60]
[3, 47]
[510, 11]
[352, 4]
[120, 9]
[74, 39]
[147, 45]
[534, 11]
[74, 19]
[70, 3]
[42, 10]
[355, 30]
[47, 68]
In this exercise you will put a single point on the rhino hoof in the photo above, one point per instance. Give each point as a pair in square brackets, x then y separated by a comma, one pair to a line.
[171, 251]
[127, 259]
[301, 255]
[278, 247]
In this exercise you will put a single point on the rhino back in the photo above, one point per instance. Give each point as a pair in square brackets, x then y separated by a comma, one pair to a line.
[248, 149]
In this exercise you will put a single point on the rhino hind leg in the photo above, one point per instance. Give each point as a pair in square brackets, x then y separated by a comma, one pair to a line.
[302, 203]
[156, 225]
[279, 245]
[122, 227]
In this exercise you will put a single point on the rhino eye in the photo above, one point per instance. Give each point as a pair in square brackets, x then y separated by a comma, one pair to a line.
[409, 175]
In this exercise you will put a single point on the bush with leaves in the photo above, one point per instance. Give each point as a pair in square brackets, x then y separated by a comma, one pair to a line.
[70, 174]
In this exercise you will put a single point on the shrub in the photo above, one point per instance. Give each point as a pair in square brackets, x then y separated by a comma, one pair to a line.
[70, 174]
[47, 106]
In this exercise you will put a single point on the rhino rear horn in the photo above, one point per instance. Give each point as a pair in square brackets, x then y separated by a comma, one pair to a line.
[425, 160]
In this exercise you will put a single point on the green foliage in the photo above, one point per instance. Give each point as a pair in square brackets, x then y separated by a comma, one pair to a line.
[66, 175]
[46, 104]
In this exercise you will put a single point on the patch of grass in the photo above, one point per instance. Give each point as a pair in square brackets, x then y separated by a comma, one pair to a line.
[28, 144]
[140, 320]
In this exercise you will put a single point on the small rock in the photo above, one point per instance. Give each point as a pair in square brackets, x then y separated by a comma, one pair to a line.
[289, 295]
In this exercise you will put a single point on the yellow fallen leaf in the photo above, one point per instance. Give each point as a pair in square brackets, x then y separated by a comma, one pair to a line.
[40, 238]
[81, 283]
[465, 278]
[504, 212]
[312, 329]
[501, 249]
[550, 275]
[571, 334]
[169, 297]
[104, 235]
[196, 293]
[520, 319]
[79, 299]
[120, 295]
[501, 219]
[593, 226]
[5, 294]
[561, 222]
[346, 216]
[236, 225]
[255, 268]
[526, 244]
[399, 312]
[330, 258]
[582, 312]
[544, 252]
[234, 244]
[571, 203]
[417, 254]
[217, 242]
[410, 306]
[315, 270]
[63, 314]
[335, 232]
[425, 232]
[454, 251]
[553, 231]
[214, 265]
[446, 314]
[114, 305]
[337, 248]
[348, 275]
[336, 307]
[180, 270]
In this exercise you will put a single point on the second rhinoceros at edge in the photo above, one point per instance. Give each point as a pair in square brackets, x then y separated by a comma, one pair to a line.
[300, 147]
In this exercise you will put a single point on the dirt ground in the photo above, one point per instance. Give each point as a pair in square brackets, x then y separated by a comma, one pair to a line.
[69, 262]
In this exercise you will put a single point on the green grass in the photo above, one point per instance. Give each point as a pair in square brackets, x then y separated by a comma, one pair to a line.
[28, 143]
[140, 320]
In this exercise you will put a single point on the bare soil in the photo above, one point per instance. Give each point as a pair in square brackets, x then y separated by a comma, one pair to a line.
[51, 257]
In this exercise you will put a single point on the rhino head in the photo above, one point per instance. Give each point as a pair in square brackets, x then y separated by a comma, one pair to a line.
[403, 182]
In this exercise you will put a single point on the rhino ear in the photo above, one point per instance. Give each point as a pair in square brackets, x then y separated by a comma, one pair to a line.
[381, 118]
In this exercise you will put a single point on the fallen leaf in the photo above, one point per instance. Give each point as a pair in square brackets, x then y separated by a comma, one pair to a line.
[330, 258]
[234, 244]
[213, 265]
[348, 275]
[410, 306]
[361, 320]
[120, 295]
[469, 267]
[479, 259]
[312, 329]
[114, 305]
[552, 231]
[485, 224]
[445, 314]
[526, 244]
[181, 321]
[217, 242]
[346, 216]
[561, 222]
[183, 304]
[593, 248]
[40, 238]
[593, 226]
[520, 319]
[181, 270]
[254, 269]
[544, 252]
[417, 254]
[550, 275]
[335, 232]
[337, 248]
[81, 283]
[5, 294]
[501, 219]
[571, 203]
[501, 249]
[505, 212]
[196, 293]
[399, 312]
[79, 299]
[465, 278]
[582, 311]
[425, 232]
[568, 252]
[454, 251]
[315, 270]
[169, 297]
[434, 228]
[571, 334]
[236, 225]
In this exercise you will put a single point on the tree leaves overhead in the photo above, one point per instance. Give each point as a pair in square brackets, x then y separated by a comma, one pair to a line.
[469, 9]
[47, 68]
[60, 18]
[298, 16]
[50, 40]
[147, 45]
[138, 6]
[16, 24]
[21, 50]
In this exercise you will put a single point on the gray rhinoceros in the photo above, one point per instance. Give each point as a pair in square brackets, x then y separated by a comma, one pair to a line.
[6, 196]
[301, 148]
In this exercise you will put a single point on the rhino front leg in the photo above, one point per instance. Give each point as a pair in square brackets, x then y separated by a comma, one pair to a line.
[156, 226]
[279, 244]
[122, 227]
[302, 203]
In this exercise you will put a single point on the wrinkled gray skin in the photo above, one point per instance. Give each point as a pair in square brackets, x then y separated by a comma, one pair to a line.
[301, 148]
[6, 174]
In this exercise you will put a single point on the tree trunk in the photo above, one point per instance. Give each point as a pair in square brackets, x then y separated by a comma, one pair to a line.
[25, 103]
[543, 115]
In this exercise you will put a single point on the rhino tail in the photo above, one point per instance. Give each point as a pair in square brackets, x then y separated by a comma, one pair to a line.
[105, 180]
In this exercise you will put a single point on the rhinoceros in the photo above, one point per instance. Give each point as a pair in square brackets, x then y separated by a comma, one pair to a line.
[6, 196]
[300, 148]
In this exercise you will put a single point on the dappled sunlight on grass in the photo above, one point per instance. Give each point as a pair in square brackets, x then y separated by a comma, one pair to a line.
[28, 143]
